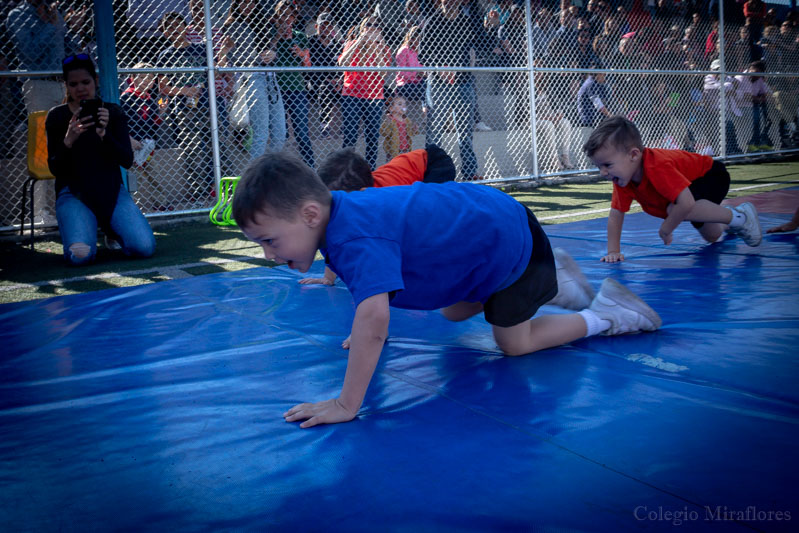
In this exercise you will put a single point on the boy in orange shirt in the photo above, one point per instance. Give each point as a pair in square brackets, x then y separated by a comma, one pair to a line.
[347, 170]
[670, 184]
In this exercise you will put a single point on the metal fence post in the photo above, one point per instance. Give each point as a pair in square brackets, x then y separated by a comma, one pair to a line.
[530, 66]
[107, 58]
[209, 53]
[722, 88]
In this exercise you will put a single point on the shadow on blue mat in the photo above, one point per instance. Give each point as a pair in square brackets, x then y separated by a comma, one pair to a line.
[159, 406]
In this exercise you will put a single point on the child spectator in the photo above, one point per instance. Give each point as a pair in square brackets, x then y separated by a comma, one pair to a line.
[404, 247]
[592, 105]
[670, 184]
[397, 129]
[257, 93]
[145, 117]
[410, 83]
[752, 93]
[711, 102]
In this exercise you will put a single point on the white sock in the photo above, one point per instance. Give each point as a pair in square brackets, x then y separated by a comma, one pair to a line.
[738, 218]
[593, 324]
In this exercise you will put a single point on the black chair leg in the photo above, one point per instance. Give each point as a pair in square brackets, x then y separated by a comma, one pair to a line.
[23, 205]
[33, 211]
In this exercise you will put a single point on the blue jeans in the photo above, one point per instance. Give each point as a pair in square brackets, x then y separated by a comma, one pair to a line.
[266, 112]
[297, 109]
[759, 133]
[458, 99]
[352, 111]
[77, 224]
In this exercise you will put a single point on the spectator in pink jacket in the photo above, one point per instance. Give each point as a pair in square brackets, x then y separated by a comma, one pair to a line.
[410, 83]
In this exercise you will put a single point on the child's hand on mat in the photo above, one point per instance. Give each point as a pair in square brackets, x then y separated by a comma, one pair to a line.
[346, 343]
[788, 226]
[613, 257]
[327, 412]
[316, 281]
[667, 237]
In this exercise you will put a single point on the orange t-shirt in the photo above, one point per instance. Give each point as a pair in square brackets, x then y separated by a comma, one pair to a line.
[405, 169]
[666, 174]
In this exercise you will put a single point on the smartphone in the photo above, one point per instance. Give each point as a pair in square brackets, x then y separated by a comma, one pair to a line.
[89, 108]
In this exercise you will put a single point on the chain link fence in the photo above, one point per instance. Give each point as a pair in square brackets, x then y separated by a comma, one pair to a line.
[386, 77]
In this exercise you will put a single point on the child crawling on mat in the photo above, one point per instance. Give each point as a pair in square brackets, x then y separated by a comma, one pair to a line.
[347, 170]
[670, 184]
[459, 247]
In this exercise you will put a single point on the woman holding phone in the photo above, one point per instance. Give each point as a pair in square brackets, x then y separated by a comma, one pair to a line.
[87, 142]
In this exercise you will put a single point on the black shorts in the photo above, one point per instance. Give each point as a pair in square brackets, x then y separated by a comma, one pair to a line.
[440, 167]
[537, 285]
[713, 186]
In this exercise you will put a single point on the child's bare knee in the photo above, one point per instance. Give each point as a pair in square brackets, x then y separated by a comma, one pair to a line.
[80, 250]
[513, 348]
[711, 231]
[79, 253]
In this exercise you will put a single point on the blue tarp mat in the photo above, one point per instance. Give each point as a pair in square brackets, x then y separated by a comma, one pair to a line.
[158, 407]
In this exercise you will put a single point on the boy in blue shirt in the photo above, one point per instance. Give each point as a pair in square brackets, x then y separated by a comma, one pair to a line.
[458, 247]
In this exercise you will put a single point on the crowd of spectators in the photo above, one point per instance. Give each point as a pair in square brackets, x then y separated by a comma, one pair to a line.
[594, 34]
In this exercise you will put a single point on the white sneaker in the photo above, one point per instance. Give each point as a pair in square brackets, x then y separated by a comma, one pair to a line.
[750, 232]
[626, 312]
[482, 126]
[142, 155]
[574, 291]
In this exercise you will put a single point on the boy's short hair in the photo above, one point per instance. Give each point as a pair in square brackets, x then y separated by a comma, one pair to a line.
[278, 183]
[615, 131]
[346, 170]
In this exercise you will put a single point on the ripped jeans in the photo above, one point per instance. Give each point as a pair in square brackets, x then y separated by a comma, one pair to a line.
[78, 226]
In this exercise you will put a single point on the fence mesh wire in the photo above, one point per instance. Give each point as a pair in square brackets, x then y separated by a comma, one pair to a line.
[483, 114]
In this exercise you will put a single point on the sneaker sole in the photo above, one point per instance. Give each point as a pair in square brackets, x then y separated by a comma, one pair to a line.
[617, 292]
[568, 263]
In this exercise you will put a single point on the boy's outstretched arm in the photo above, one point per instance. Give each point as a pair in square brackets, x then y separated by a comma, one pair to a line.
[369, 332]
[615, 222]
[677, 213]
[328, 279]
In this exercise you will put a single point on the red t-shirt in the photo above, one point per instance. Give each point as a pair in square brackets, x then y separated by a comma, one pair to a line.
[666, 174]
[364, 84]
[405, 169]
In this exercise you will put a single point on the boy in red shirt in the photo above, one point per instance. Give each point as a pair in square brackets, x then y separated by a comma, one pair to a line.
[670, 184]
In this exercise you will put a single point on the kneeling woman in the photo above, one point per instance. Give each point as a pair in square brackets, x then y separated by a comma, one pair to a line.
[85, 157]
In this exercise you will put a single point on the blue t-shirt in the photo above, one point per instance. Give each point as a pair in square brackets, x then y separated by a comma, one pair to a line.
[429, 245]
